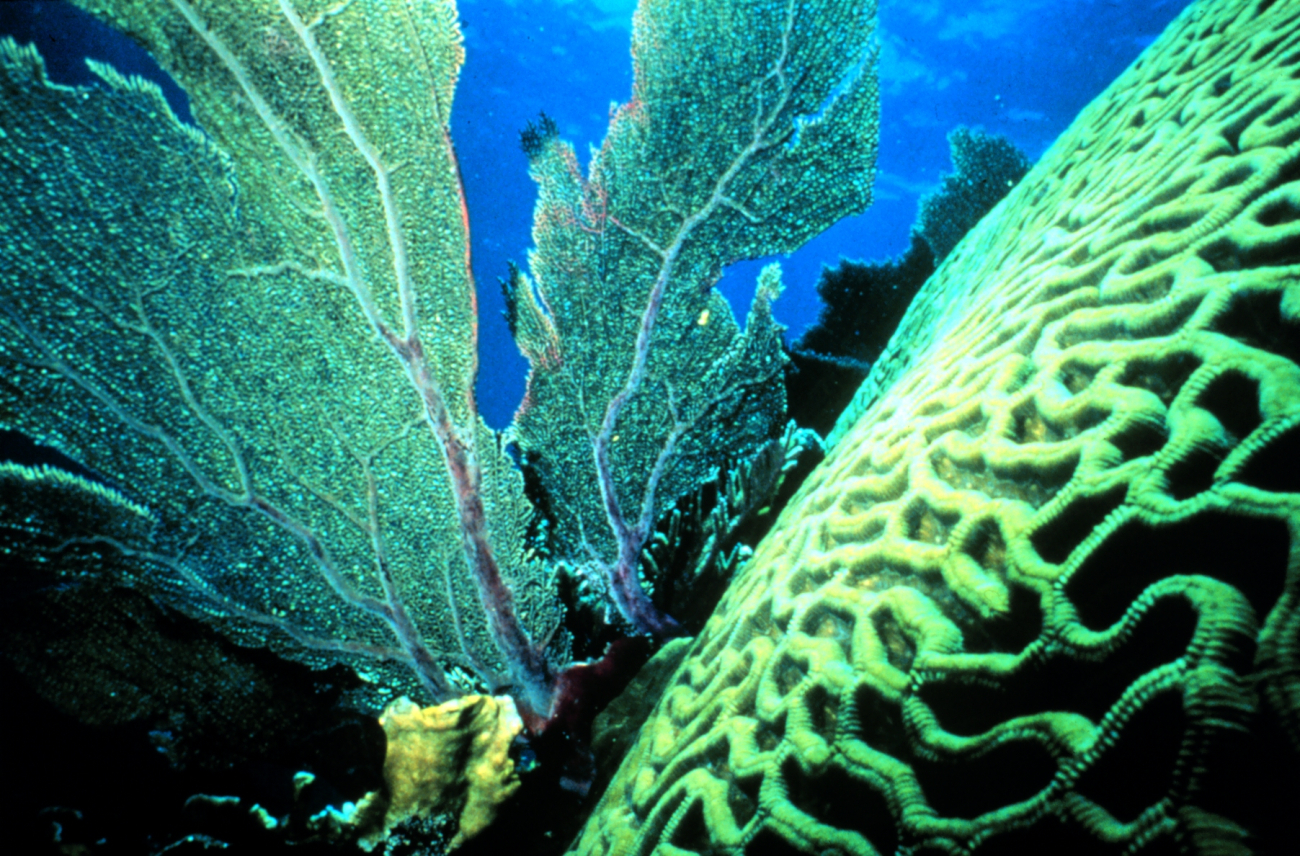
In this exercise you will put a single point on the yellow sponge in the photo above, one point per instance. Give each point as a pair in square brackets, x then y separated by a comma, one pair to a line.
[1044, 592]
[453, 758]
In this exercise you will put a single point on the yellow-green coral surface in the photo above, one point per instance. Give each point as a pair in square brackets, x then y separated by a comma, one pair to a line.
[1042, 594]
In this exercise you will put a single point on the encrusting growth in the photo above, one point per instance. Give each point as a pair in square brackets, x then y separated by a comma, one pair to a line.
[1044, 591]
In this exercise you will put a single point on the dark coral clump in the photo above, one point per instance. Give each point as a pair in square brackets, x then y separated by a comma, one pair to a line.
[534, 137]
[988, 166]
[863, 302]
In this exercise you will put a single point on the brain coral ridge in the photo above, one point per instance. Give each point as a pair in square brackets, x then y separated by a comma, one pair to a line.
[1045, 590]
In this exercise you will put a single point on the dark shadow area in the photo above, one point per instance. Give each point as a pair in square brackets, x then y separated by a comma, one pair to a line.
[837, 799]
[862, 305]
[1193, 473]
[1056, 539]
[1054, 835]
[1252, 775]
[1139, 439]
[818, 389]
[899, 648]
[1229, 254]
[864, 302]
[1164, 377]
[21, 449]
[880, 722]
[1011, 631]
[691, 833]
[1276, 467]
[126, 736]
[1255, 319]
[1247, 553]
[1233, 398]
[1138, 769]
[768, 843]
[1063, 683]
[967, 787]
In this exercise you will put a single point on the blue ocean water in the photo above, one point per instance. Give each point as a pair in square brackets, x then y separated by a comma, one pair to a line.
[1021, 68]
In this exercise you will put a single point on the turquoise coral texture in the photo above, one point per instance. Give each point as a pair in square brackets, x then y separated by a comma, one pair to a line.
[1042, 594]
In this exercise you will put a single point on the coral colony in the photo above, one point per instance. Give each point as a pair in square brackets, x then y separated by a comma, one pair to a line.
[259, 339]
[1041, 591]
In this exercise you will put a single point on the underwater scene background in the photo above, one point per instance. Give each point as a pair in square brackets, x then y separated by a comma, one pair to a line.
[994, 483]
[1019, 69]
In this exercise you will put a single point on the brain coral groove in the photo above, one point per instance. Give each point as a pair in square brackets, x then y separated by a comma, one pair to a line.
[1045, 589]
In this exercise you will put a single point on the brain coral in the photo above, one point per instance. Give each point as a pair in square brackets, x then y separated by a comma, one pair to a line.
[1044, 593]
